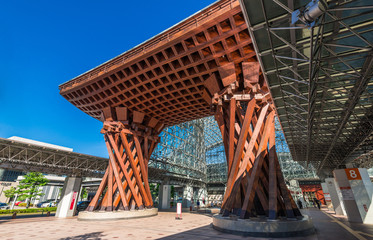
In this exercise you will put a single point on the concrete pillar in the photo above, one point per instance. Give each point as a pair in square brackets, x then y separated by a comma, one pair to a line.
[69, 197]
[80, 190]
[328, 200]
[357, 190]
[50, 192]
[335, 196]
[202, 196]
[164, 196]
[188, 199]
[56, 192]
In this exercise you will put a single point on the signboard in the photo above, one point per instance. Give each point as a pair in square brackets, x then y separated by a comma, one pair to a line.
[347, 193]
[353, 174]
[327, 197]
[178, 208]
[5, 184]
[365, 207]
[73, 200]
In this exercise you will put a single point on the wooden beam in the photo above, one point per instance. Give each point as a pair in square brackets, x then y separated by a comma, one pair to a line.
[110, 190]
[232, 120]
[108, 114]
[238, 153]
[250, 72]
[121, 174]
[132, 162]
[115, 170]
[284, 192]
[212, 84]
[153, 122]
[121, 113]
[143, 171]
[245, 163]
[253, 139]
[272, 178]
[93, 204]
[220, 120]
[126, 175]
[228, 74]
[253, 182]
[138, 117]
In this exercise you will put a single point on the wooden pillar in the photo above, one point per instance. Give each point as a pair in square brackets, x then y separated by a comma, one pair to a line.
[245, 114]
[130, 142]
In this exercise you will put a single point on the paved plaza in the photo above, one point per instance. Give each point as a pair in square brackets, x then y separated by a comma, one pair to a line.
[163, 226]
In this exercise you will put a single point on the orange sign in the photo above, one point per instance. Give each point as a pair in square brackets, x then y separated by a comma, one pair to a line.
[353, 174]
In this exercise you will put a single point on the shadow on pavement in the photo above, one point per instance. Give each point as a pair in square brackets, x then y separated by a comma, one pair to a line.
[88, 236]
[205, 232]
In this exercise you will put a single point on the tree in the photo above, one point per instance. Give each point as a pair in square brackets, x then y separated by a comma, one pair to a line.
[10, 192]
[154, 189]
[84, 193]
[28, 187]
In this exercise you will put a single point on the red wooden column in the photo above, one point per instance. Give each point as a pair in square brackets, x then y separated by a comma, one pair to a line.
[130, 138]
[245, 114]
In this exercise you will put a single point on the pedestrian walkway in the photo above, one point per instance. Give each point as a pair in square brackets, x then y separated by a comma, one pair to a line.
[165, 227]
[330, 226]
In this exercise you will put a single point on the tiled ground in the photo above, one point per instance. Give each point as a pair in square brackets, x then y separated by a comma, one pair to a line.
[163, 226]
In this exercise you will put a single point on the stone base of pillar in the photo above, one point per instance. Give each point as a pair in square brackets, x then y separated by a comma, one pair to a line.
[261, 227]
[116, 215]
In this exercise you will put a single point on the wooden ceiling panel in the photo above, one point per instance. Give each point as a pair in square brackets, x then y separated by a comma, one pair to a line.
[165, 77]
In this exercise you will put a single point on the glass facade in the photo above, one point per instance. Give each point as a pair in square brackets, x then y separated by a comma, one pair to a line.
[9, 175]
[195, 149]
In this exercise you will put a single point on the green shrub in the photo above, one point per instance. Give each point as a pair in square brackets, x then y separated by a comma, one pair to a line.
[24, 205]
[30, 210]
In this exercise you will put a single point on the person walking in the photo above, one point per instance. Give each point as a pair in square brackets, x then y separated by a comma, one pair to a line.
[300, 205]
[317, 203]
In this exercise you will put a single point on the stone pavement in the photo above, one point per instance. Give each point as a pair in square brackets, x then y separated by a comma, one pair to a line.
[164, 226]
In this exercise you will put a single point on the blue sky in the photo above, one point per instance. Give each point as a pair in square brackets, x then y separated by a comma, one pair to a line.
[46, 43]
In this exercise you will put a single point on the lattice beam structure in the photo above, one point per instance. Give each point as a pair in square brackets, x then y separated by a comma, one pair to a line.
[164, 77]
[125, 184]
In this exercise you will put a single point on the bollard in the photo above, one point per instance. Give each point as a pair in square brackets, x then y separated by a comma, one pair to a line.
[48, 214]
[14, 215]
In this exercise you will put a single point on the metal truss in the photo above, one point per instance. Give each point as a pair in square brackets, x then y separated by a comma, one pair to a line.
[363, 155]
[26, 157]
[181, 152]
[215, 153]
[290, 168]
[216, 160]
[320, 76]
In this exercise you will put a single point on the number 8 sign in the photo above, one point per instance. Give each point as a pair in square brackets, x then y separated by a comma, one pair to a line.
[353, 174]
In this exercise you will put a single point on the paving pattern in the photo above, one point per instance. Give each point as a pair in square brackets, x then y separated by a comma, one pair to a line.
[163, 226]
